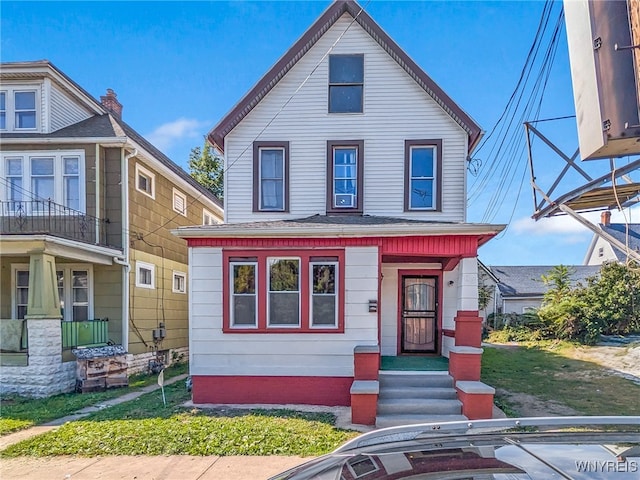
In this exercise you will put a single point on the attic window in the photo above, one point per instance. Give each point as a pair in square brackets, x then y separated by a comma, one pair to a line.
[601, 252]
[346, 83]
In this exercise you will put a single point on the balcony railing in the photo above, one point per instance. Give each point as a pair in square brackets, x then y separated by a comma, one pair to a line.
[35, 217]
[85, 333]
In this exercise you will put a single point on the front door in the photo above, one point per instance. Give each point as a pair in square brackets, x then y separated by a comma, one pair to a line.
[419, 314]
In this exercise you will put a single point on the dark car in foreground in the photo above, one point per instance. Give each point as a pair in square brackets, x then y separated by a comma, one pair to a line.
[506, 449]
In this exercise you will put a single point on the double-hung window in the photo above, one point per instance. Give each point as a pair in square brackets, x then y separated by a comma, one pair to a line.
[345, 179]
[271, 291]
[19, 107]
[244, 296]
[324, 294]
[284, 292]
[35, 178]
[3, 110]
[74, 291]
[423, 161]
[15, 190]
[271, 172]
[346, 83]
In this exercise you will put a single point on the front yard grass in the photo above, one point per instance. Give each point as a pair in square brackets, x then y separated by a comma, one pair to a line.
[547, 371]
[18, 413]
[146, 427]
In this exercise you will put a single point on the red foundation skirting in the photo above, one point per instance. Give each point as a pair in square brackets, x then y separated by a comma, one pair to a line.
[330, 391]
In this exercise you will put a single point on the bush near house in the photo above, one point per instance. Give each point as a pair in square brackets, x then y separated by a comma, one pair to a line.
[609, 304]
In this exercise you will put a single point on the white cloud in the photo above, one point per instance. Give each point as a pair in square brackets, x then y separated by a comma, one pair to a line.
[168, 134]
[571, 230]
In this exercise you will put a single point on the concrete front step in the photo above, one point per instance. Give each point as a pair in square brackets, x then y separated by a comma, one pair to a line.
[415, 406]
[414, 379]
[383, 421]
[418, 392]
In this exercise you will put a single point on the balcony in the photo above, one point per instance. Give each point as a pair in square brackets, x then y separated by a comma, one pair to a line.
[44, 217]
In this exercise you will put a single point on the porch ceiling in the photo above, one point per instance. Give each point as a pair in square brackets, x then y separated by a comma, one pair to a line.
[23, 245]
[447, 263]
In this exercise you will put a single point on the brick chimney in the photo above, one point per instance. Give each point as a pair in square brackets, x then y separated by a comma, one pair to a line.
[605, 218]
[111, 103]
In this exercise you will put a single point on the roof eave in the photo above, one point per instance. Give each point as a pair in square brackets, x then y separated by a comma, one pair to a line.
[217, 135]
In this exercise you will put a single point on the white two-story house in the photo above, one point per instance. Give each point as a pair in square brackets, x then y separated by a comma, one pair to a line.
[345, 240]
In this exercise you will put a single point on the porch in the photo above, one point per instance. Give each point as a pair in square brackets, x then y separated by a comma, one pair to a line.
[14, 339]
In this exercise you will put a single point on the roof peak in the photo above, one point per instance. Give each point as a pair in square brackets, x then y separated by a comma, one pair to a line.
[308, 39]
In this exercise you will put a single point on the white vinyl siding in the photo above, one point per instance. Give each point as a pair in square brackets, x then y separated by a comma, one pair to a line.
[216, 353]
[391, 116]
[64, 110]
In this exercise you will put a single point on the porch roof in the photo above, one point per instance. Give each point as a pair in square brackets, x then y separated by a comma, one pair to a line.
[340, 226]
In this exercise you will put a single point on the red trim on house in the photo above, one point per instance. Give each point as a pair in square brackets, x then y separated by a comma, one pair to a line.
[458, 246]
[331, 391]
[448, 333]
[262, 282]
[429, 273]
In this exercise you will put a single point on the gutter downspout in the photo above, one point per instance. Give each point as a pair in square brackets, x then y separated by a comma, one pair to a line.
[124, 184]
[98, 216]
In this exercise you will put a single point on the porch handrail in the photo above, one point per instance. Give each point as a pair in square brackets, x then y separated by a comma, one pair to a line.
[47, 217]
[84, 333]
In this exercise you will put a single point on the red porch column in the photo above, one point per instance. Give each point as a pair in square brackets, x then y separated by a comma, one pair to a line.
[464, 363]
[366, 362]
[476, 398]
[468, 328]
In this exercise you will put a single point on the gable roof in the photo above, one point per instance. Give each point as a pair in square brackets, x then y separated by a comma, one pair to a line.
[525, 281]
[102, 125]
[619, 232]
[303, 45]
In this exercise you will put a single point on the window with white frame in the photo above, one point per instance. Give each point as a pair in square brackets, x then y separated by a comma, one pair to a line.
[179, 202]
[19, 109]
[208, 218]
[145, 275]
[179, 282]
[75, 291]
[3, 110]
[345, 176]
[145, 181]
[423, 161]
[324, 294]
[244, 297]
[34, 178]
[283, 292]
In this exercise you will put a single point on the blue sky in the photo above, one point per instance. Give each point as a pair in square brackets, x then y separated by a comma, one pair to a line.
[178, 67]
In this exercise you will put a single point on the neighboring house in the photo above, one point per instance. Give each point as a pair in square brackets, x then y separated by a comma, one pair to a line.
[520, 288]
[345, 233]
[601, 251]
[80, 186]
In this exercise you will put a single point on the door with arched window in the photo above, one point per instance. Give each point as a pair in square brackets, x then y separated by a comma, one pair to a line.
[419, 314]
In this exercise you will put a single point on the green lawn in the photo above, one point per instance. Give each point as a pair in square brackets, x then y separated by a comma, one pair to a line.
[547, 371]
[146, 427]
[18, 413]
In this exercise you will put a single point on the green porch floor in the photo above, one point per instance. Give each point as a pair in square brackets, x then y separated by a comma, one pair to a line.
[415, 363]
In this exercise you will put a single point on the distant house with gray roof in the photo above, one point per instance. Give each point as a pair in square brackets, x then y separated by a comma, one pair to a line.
[518, 289]
[601, 251]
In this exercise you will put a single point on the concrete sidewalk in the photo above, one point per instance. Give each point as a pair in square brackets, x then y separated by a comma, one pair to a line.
[175, 467]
